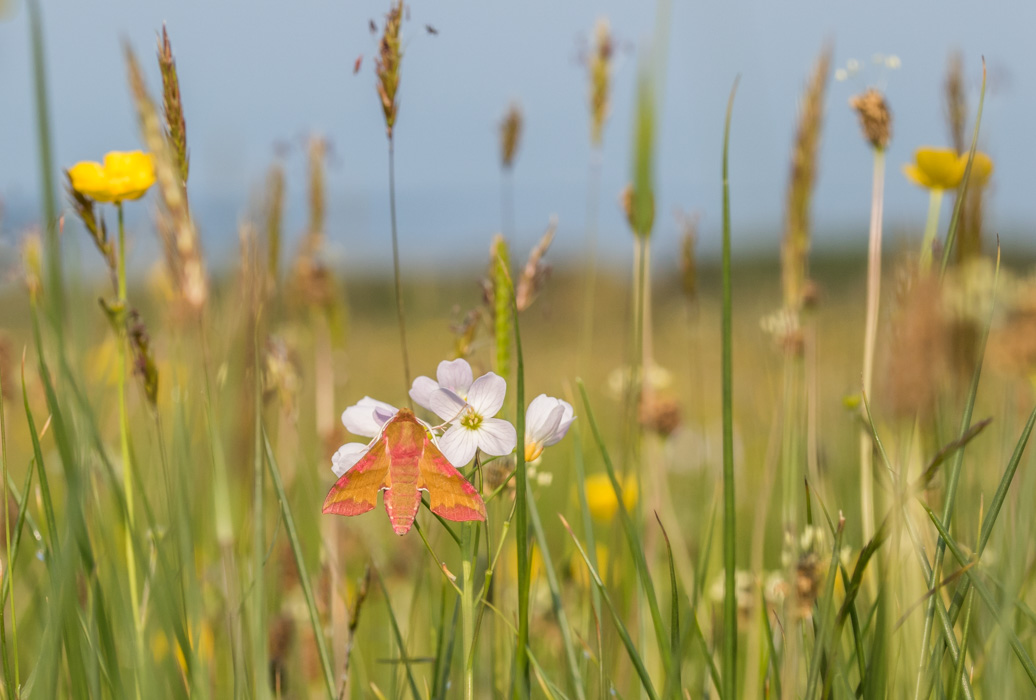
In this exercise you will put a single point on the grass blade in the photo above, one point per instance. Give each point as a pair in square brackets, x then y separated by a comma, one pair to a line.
[631, 649]
[296, 549]
[629, 528]
[555, 599]
[404, 656]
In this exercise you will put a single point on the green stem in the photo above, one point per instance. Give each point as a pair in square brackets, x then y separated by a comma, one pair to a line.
[931, 229]
[6, 576]
[395, 270]
[870, 340]
[55, 286]
[729, 532]
[590, 253]
[467, 605]
[127, 467]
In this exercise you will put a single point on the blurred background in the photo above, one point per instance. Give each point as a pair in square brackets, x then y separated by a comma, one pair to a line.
[257, 82]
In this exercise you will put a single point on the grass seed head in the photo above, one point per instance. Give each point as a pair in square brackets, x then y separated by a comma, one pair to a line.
[795, 248]
[600, 80]
[387, 64]
[510, 135]
[535, 273]
[175, 126]
[875, 117]
[182, 243]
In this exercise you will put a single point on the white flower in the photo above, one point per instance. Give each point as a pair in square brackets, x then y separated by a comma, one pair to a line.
[546, 421]
[454, 375]
[473, 425]
[366, 419]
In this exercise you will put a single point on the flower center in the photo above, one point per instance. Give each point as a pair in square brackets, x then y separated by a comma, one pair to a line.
[470, 419]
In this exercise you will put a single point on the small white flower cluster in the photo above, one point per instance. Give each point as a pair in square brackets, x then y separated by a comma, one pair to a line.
[467, 408]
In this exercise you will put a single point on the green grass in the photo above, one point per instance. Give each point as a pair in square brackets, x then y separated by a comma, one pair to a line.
[177, 548]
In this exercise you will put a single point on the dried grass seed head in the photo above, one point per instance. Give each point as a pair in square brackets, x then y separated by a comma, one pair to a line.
[875, 117]
[510, 135]
[387, 64]
[600, 79]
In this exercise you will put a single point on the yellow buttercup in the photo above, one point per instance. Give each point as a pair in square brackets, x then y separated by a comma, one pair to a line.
[124, 175]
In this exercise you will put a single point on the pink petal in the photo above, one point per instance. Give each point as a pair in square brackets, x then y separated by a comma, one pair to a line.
[454, 375]
[421, 391]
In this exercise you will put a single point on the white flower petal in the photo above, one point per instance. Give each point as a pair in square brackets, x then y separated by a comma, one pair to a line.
[458, 445]
[567, 418]
[446, 404]
[421, 391]
[496, 437]
[454, 375]
[538, 417]
[486, 394]
[347, 456]
[367, 417]
[543, 428]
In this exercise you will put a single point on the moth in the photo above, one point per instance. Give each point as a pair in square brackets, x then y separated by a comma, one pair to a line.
[403, 462]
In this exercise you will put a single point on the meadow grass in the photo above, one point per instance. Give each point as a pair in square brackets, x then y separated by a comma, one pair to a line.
[166, 453]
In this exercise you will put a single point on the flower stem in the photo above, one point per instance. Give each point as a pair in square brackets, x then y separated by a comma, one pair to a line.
[127, 468]
[467, 605]
[930, 229]
[729, 531]
[395, 269]
[870, 337]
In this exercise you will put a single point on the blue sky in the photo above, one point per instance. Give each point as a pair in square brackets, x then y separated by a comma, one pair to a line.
[257, 74]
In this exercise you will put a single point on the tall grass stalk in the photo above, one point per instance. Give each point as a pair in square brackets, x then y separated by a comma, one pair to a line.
[729, 519]
[521, 517]
[400, 313]
[124, 441]
[12, 681]
[55, 276]
[870, 339]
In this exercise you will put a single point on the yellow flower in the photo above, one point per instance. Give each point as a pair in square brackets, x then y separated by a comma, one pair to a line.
[600, 496]
[124, 175]
[981, 168]
[943, 169]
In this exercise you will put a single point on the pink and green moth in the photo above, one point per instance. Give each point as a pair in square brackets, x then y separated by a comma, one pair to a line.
[403, 462]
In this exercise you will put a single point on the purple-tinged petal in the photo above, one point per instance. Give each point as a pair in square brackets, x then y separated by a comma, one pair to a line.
[347, 456]
[486, 395]
[458, 445]
[446, 404]
[454, 375]
[568, 417]
[496, 437]
[367, 417]
[421, 391]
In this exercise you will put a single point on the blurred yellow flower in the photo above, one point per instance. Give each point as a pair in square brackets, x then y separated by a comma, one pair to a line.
[124, 175]
[943, 168]
[981, 168]
[600, 496]
[580, 574]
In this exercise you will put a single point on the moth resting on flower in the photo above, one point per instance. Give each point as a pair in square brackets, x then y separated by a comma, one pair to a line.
[402, 462]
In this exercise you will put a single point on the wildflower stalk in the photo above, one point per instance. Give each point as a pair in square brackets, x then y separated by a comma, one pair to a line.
[931, 229]
[590, 253]
[467, 605]
[729, 529]
[870, 339]
[400, 313]
[127, 468]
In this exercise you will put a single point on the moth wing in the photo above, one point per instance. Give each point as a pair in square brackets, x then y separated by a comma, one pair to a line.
[357, 490]
[451, 495]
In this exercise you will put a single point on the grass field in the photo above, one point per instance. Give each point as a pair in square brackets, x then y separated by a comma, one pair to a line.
[786, 477]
